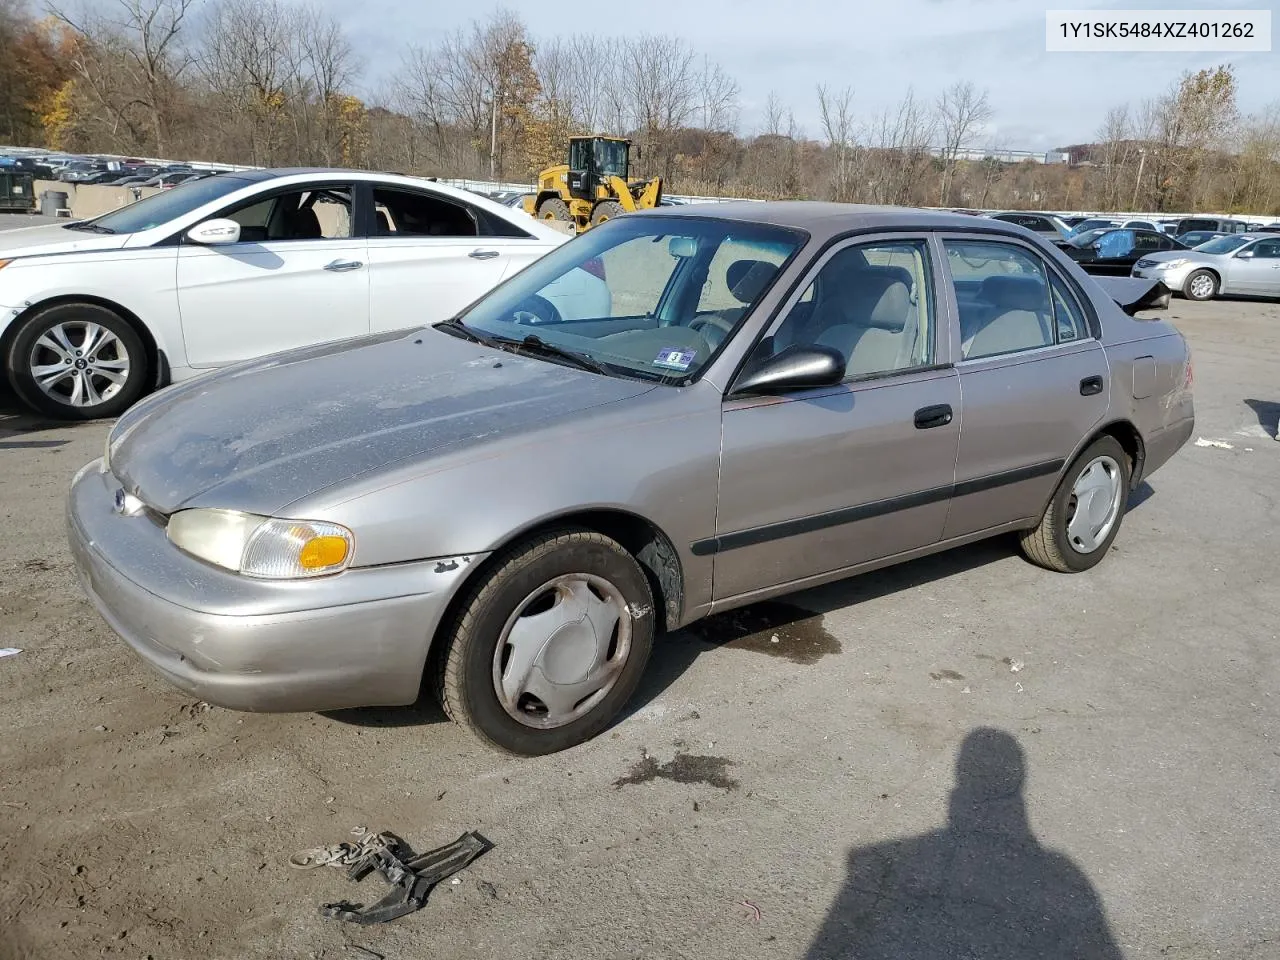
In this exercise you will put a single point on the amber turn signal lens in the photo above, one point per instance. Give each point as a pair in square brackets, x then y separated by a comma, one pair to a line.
[320, 552]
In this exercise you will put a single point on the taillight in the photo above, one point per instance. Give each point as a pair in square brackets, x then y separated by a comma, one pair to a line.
[595, 267]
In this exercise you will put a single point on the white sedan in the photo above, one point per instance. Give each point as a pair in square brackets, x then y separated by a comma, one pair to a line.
[95, 313]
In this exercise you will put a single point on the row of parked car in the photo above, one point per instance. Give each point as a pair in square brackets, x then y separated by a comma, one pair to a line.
[1199, 257]
[116, 172]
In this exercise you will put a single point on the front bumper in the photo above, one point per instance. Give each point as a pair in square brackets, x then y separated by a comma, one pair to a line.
[359, 638]
[1174, 279]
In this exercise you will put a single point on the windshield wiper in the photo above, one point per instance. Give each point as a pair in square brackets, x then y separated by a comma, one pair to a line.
[90, 226]
[535, 345]
[457, 328]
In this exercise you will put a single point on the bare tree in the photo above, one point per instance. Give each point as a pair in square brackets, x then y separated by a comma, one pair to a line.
[836, 110]
[962, 112]
[133, 58]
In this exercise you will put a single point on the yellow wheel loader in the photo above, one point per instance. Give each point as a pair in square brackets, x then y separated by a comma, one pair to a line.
[593, 186]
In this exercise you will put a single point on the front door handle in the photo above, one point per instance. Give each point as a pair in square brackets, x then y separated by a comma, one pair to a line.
[938, 415]
[482, 254]
[342, 266]
[1090, 386]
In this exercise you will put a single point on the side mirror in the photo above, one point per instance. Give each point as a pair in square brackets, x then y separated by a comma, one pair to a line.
[793, 368]
[214, 232]
[1245, 254]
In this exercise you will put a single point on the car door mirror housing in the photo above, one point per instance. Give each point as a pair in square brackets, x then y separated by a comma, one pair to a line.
[793, 368]
[1244, 254]
[214, 232]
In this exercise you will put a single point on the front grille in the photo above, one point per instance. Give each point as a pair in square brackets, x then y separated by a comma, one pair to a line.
[1145, 263]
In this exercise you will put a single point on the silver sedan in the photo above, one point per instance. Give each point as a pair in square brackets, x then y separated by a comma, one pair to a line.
[509, 505]
[1238, 263]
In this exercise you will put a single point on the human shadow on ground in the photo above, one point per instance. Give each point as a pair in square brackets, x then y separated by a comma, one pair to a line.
[1268, 414]
[980, 887]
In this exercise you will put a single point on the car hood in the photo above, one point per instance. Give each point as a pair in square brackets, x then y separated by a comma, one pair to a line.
[262, 435]
[55, 238]
[1192, 255]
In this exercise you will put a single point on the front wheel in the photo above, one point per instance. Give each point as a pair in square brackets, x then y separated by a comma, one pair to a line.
[550, 645]
[554, 209]
[77, 361]
[1201, 285]
[606, 210]
[1084, 515]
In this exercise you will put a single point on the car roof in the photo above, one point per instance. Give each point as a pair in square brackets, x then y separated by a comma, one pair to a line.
[824, 219]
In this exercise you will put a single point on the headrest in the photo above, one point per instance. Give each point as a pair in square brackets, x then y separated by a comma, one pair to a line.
[748, 278]
[900, 274]
[883, 302]
[1016, 293]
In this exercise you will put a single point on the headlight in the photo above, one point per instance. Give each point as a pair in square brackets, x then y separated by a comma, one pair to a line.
[1170, 264]
[262, 546]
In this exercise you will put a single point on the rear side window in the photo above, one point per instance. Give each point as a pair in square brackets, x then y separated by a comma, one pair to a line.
[1069, 321]
[1002, 293]
[409, 213]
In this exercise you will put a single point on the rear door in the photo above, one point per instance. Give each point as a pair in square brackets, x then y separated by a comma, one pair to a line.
[296, 277]
[827, 478]
[430, 256]
[1034, 379]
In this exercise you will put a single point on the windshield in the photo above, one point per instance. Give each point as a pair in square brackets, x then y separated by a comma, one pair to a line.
[611, 157]
[1224, 244]
[648, 297]
[162, 207]
[1086, 238]
[1093, 223]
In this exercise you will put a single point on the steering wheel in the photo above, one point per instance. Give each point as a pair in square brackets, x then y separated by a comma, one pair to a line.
[713, 328]
[535, 310]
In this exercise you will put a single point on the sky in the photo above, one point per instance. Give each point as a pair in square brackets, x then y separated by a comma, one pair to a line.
[879, 48]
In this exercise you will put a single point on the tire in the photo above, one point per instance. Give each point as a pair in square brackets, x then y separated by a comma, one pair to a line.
[554, 209]
[606, 210]
[1200, 285]
[1052, 544]
[474, 662]
[56, 333]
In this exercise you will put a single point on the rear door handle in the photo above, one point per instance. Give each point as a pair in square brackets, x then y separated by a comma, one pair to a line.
[938, 415]
[482, 254]
[1090, 386]
[342, 266]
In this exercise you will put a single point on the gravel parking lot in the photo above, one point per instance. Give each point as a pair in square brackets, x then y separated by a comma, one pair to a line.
[786, 771]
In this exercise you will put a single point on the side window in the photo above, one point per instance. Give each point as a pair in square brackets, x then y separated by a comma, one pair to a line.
[1003, 297]
[1146, 242]
[1267, 249]
[407, 213]
[322, 213]
[873, 303]
[1069, 321]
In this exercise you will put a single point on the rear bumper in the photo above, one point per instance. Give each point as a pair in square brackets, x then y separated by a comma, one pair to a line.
[360, 638]
[1161, 447]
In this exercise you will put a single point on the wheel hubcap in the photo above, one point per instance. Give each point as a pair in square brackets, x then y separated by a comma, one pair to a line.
[562, 651]
[1094, 504]
[79, 363]
[1201, 287]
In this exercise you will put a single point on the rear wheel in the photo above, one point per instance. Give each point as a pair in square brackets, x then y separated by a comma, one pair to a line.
[550, 645]
[77, 361]
[553, 209]
[1084, 515]
[606, 210]
[1201, 285]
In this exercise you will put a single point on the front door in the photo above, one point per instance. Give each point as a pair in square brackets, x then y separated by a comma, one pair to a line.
[1259, 274]
[1034, 379]
[296, 277]
[827, 478]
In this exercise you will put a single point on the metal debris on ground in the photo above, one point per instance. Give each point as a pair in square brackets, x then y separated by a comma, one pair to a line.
[750, 911]
[411, 876]
[1015, 666]
[341, 854]
[9, 651]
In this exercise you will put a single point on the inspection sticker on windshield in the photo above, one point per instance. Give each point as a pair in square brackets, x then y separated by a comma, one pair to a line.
[673, 358]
